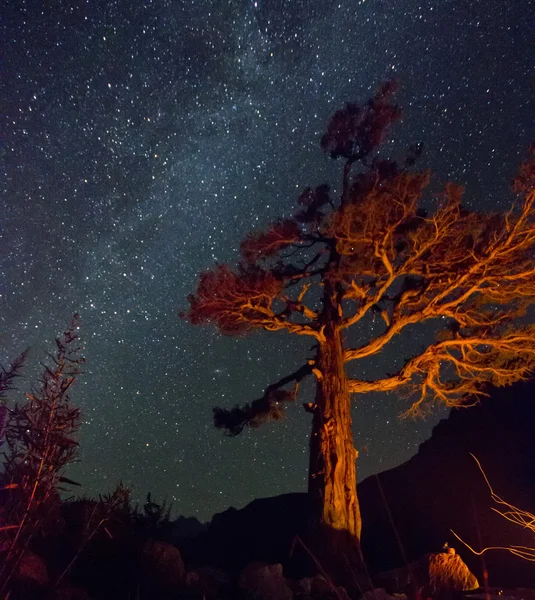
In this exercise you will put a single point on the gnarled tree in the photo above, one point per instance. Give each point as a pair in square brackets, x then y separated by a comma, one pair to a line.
[373, 252]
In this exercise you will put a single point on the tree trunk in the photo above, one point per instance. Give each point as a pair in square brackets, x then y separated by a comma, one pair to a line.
[332, 473]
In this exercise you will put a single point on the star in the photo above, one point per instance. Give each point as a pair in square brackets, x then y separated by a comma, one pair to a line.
[141, 144]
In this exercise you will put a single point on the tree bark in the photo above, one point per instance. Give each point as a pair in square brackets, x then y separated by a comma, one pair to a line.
[332, 472]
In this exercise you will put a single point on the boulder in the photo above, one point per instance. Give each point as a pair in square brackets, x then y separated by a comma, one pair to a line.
[30, 579]
[301, 588]
[316, 588]
[161, 568]
[448, 573]
[437, 574]
[260, 581]
[207, 581]
[321, 589]
[32, 569]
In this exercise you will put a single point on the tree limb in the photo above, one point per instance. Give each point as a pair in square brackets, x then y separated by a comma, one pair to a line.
[453, 370]
[456, 282]
[511, 513]
[264, 409]
[240, 301]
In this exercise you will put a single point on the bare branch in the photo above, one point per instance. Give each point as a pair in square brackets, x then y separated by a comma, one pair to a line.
[278, 236]
[515, 515]
[453, 371]
[487, 283]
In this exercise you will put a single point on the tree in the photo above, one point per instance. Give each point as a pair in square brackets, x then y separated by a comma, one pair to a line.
[39, 435]
[374, 254]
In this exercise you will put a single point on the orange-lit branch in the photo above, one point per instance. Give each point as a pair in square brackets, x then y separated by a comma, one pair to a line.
[366, 234]
[451, 370]
[279, 235]
[515, 515]
[476, 270]
[239, 302]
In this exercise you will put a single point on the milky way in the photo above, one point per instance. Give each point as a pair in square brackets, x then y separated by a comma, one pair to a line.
[142, 140]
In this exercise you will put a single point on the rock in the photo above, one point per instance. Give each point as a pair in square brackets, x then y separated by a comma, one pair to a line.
[262, 531]
[207, 581]
[436, 574]
[162, 568]
[192, 578]
[260, 581]
[301, 588]
[321, 589]
[448, 573]
[316, 588]
[30, 579]
[341, 594]
[395, 580]
[32, 568]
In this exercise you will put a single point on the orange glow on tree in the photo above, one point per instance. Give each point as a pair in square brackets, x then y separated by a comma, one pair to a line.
[374, 252]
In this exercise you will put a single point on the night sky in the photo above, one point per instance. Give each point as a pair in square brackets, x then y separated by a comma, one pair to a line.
[141, 140]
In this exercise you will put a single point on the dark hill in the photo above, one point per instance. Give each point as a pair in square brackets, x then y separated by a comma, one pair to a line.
[262, 531]
[441, 487]
[418, 502]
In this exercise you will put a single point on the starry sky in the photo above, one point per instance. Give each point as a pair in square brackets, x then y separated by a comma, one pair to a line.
[142, 139]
